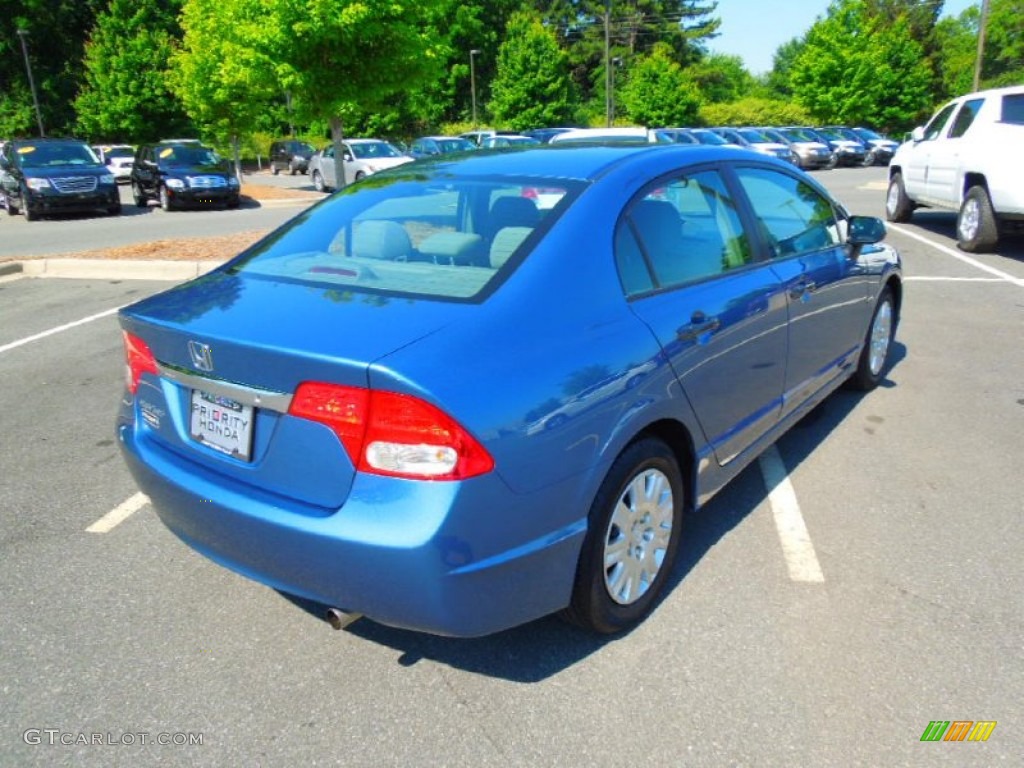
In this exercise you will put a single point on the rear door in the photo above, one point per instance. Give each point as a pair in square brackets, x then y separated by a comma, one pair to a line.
[687, 264]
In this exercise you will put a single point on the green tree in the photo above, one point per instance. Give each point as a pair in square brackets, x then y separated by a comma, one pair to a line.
[720, 77]
[782, 67]
[658, 91]
[635, 27]
[223, 80]
[341, 59]
[57, 30]
[853, 69]
[532, 86]
[754, 111]
[125, 95]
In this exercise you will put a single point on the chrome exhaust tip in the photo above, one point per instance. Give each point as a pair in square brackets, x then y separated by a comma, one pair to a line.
[339, 619]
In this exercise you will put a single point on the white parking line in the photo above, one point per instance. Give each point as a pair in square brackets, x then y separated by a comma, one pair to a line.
[960, 256]
[797, 548]
[119, 514]
[58, 329]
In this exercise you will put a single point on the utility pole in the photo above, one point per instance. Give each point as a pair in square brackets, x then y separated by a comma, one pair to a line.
[23, 33]
[982, 24]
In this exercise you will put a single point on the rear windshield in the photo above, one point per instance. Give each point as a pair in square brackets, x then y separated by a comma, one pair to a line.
[409, 233]
[43, 155]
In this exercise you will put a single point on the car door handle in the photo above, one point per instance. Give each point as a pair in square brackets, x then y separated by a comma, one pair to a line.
[802, 288]
[699, 324]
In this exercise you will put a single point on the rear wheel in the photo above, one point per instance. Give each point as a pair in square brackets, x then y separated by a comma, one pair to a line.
[874, 357]
[141, 201]
[12, 209]
[632, 540]
[898, 207]
[977, 230]
[318, 182]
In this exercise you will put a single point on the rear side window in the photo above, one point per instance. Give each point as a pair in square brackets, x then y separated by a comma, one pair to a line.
[685, 230]
[1013, 109]
[402, 232]
[794, 217]
[965, 118]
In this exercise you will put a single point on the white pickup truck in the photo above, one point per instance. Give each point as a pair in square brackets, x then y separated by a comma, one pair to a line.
[968, 158]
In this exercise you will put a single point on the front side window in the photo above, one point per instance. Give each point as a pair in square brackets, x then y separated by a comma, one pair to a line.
[402, 232]
[794, 217]
[934, 127]
[685, 230]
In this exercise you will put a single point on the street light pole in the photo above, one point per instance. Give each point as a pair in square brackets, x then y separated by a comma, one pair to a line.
[472, 82]
[23, 33]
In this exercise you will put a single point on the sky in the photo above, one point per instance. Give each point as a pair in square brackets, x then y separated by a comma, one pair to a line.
[754, 29]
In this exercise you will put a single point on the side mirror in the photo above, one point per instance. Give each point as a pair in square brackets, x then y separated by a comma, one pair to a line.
[917, 134]
[348, 157]
[865, 230]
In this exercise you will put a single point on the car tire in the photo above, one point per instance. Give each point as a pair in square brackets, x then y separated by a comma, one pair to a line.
[318, 182]
[632, 540]
[833, 161]
[29, 214]
[165, 198]
[869, 159]
[977, 230]
[274, 169]
[359, 176]
[114, 210]
[898, 207]
[12, 209]
[874, 356]
[141, 201]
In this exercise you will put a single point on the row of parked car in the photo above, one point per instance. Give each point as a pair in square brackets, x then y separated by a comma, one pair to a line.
[48, 176]
[44, 176]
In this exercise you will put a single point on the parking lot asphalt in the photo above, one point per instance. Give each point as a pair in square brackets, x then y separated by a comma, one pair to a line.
[911, 495]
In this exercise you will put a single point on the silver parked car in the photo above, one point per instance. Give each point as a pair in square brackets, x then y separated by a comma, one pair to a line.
[363, 157]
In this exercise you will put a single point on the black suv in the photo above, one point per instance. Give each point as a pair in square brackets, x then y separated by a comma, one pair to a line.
[181, 174]
[42, 176]
[290, 155]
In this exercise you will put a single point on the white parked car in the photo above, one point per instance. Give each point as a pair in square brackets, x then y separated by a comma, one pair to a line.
[363, 157]
[969, 158]
[118, 158]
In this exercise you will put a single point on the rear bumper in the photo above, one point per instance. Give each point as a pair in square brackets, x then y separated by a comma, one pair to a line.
[458, 559]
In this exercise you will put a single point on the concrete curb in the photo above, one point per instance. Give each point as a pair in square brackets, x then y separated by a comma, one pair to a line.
[114, 269]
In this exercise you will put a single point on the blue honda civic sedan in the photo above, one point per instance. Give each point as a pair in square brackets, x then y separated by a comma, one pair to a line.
[470, 392]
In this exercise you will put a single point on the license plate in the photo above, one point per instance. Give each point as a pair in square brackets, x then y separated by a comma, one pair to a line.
[222, 424]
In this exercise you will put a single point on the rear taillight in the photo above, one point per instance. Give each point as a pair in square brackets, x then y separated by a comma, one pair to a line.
[138, 360]
[387, 433]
